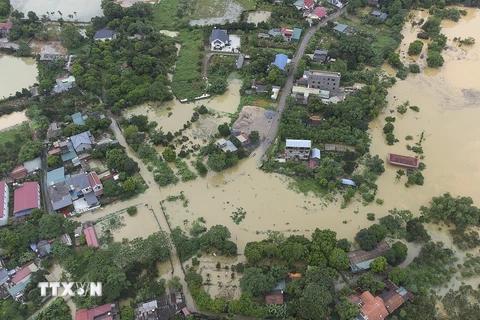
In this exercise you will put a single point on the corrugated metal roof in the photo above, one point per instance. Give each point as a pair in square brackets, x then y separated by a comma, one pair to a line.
[316, 153]
[291, 143]
[55, 176]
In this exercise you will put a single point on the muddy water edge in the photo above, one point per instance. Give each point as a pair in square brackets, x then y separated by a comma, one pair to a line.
[18, 73]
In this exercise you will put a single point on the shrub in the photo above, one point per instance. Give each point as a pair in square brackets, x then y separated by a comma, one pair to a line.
[414, 68]
[132, 211]
[379, 201]
[415, 47]
[371, 216]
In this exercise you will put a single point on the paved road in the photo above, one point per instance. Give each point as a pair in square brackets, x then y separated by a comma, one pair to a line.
[289, 84]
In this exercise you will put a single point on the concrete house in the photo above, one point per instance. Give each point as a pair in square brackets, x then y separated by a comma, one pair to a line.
[64, 84]
[82, 141]
[95, 183]
[304, 5]
[105, 34]
[324, 80]
[55, 176]
[26, 198]
[81, 192]
[59, 196]
[3, 203]
[226, 145]
[318, 13]
[5, 28]
[275, 296]
[78, 119]
[380, 15]
[320, 56]
[219, 39]
[19, 172]
[109, 311]
[243, 138]
[336, 3]
[297, 149]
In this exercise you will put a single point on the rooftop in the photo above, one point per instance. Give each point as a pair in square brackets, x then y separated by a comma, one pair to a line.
[91, 237]
[78, 119]
[104, 34]
[325, 73]
[55, 176]
[59, 195]
[340, 27]
[33, 165]
[358, 256]
[320, 12]
[297, 33]
[19, 172]
[3, 186]
[81, 138]
[6, 25]
[281, 61]
[219, 34]
[26, 197]
[374, 307]
[25, 271]
[291, 143]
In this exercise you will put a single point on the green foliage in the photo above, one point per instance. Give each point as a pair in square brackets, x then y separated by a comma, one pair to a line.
[415, 108]
[254, 281]
[197, 229]
[174, 284]
[169, 154]
[432, 25]
[58, 310]
[71, 37]
[459, 210]
[127, 313]
[397, 275]
[346, 309]
[371, 216]
[367, 283]
[338, 260]
[24, 49]
[413, 68]
[132, 211]
[379, 265]
[388, 128]
[30, 150]
[224, 130]
[254, 136]
[54, 161]
[415, 178]
[397, 254]
[238, 216]
[416, 231]
[201, 168]
[54, 225]
[403, 107]
[366, 239]
[415, 47]
[184, 171]
[434, 59]
[164, 175]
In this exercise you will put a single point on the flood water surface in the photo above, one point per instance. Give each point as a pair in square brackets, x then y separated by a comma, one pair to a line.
[17, 73]
[12, 119]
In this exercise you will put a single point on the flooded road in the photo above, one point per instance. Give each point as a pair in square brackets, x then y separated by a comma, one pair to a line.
[22, 73]
[12, 119]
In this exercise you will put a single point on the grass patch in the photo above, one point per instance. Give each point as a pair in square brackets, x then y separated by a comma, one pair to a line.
[187, 80]
[218, 8]
[305, 186]
[184, 171]
[257, 100]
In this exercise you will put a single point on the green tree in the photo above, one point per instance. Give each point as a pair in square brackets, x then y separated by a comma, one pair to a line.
[132, 210]
[254, 136]
[324, 241]
[346, 309]
[174, 284]
[379, 231]
[366, 239]
[367, 283]
[4, 9]
[54, 161]
[224, 130]
[432, 26]
[169, 154]
[415, 47]
[315, 300]
[54, 225]
[131, 133]
[130, 184]
[416, 231]
[217, 161]
[127, 313]
[24, 49]
[397, 275]
[216, 236]
[388, 128]
[435, 59]
[379, 265]
[30, 150]
[256, 282]
[338, 259]
[71, 37]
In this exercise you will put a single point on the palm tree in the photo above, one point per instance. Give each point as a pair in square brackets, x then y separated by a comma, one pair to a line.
[59, 12]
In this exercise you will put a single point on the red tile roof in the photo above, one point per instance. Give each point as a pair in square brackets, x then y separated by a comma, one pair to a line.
[308, 3]
[26, 197]
[374, 307]
[81, 314]
[93, 179]
[320, 12]
[91, 237]
[2, 199]
[394, 302]
[20, 275]
[6, 25]
[91, 314]
[19, 172]
[55, 151]
[286, 31]
[274, 299]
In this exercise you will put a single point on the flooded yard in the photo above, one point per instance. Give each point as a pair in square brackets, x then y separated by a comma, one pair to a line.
[12, 119]
[22, 73]
[82, 11]
[258, 16]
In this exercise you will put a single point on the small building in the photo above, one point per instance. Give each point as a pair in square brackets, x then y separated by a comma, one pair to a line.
[380, 15]
[42, 248]
[55, 176]
[226, 145]
[243, 138]
[324, 80]
[281, 61]
[343, 28]
[275, 296]
[3, 276]
[320, 56]
[91, 237]
[394, 299]
[26, 198]
[95, 183]
[297, 33]
[297, 149]
[109, 311]
[286, 33]
[21, 280]
[59, 196]
[64, 84]
[19, 172]
[4, 198]
[336, 3]
[5, 28]
[240, 61]
[219, 39]
[53, 130]
[404, 161]
[318, 13]
[304, 5]
[315, 121]
[82, 141]
[275, 32]
[78, 119]
[105, 34]
[315, 153]
[33, 165]
[361, 259]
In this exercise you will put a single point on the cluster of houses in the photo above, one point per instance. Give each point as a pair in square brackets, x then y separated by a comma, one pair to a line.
[289, 35]
[5, 28]
[226, 145]
[324, 84]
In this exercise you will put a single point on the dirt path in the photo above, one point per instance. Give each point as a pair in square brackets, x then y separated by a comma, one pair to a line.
[289, 84]
[150, 198]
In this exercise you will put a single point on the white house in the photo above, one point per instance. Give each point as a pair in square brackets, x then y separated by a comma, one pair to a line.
[219, 39]
[3, 203]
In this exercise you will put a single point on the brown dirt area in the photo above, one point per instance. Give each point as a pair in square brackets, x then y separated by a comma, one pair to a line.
[48, 47]
[129, 3]
[253, 119]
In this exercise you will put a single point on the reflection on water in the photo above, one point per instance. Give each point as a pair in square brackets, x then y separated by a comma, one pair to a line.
[17, 73]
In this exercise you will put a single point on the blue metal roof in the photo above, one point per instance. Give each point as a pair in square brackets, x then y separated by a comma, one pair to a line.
[69, 156]
[281, 61]
[55, 176]
[292, 143]
[315, 153]
[77, 119]
[348, 182]
[297, 33]
[340, 27]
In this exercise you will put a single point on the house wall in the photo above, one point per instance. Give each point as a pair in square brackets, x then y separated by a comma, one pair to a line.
[4, 219]
[323, 81]
[297, 153]
[218, 44]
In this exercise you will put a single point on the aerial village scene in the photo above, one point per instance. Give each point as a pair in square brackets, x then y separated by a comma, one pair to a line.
[240, 159]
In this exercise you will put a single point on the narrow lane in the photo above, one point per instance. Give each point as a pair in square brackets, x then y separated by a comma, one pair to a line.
[289, 84]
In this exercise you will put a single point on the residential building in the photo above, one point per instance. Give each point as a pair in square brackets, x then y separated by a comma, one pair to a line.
[343, 28]
[78, 119]
[42, 248]
[109, 311]
[275, 296]
[286, 33]
[372, 308]
[59, 196]
[20, 281]
[226, 145]
[315, 153]
[324, 80]
[19, 172]
[336, 3]
[91, 237]
[64, 84]
[318, 13]
[275, 32]
[3, 273]
[297, 33]
[361, 259]
[297, 149]
[304, 5]
[219, 39]
[105, 34]
[33, 165]
[26, 198]
[55, 176]
[81, 192]
[4, 198]
[404, 161]
[82, 141]
[5, 28]
[53, 130]
[243, 138]
[301, 94]
[380, 15]
[395, 298]
[320, 56]
[281, 61]
[95, 183]
[162, 308]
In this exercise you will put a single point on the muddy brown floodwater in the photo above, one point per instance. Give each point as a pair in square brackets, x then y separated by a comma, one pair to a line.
[12, 119]
[17, 73]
